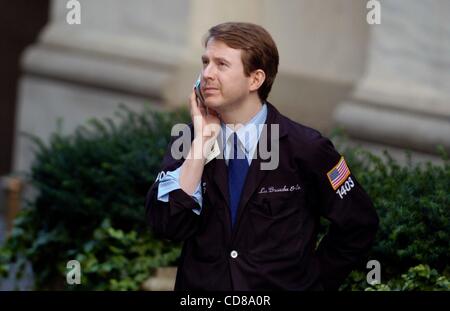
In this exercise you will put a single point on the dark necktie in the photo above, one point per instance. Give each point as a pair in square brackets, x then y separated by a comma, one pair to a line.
[237, 171]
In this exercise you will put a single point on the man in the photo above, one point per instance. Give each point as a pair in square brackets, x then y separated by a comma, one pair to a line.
[245, 227]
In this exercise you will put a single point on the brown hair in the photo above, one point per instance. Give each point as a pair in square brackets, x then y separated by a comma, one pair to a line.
[259, 51]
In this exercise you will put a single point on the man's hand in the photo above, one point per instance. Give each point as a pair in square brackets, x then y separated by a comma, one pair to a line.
[206, 129]
[206, 125]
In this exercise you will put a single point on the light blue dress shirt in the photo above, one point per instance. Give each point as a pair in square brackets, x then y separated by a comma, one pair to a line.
[248, 136]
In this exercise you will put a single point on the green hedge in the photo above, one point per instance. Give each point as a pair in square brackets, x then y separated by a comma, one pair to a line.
[413, 203]
[92, 187]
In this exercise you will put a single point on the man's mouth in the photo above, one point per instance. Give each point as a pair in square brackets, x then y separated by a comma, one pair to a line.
[210, 90]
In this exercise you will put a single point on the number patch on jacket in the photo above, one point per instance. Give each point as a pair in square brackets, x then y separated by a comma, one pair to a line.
[346, 187]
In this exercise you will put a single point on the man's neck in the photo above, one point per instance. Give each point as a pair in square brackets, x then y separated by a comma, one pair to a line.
[241, 113]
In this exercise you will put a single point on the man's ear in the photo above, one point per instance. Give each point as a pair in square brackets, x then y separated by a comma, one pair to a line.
[257, 78]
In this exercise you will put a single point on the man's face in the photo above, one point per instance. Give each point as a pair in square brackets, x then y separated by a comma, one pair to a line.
[224, 83]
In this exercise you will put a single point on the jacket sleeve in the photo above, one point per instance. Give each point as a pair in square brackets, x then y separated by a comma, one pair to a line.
[174, 219]
[343, 201]
[171, 182]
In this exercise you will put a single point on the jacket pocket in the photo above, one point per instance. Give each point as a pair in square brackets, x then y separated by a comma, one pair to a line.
[276, 227]
[274, 206]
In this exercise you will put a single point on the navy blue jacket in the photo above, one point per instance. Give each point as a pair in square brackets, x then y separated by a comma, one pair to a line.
[272, 246]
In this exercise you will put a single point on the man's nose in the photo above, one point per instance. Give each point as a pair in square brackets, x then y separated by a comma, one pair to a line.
[209, 72]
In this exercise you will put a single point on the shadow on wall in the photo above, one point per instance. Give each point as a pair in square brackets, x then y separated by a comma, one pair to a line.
[21, 23]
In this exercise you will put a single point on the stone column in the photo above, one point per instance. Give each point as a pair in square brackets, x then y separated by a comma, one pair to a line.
[122, 52]
[403, 100]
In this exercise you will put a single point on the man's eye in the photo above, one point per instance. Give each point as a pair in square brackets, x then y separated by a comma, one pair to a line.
[222, 64]
[205, 62]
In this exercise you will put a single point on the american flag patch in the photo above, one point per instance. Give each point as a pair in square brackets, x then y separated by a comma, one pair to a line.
[338, 174]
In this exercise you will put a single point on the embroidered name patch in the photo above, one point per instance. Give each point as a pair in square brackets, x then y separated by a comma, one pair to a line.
[280, 189]
[338, 174]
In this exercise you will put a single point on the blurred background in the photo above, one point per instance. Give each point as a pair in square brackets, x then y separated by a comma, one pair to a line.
[386, 86]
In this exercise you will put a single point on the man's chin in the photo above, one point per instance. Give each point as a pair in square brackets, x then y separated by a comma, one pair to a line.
[214, 103]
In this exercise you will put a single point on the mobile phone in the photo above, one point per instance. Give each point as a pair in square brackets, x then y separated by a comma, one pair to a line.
[198, 92]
